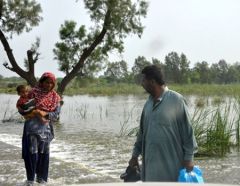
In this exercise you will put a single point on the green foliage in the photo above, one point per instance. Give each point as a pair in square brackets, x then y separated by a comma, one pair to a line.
[177, 68]
[172, 62]
[203, 72]
[139, 64]
[69, 50]
[184, 68]
[116, 71]
[218, 139]
[213, 130]
[124, 18]
[19, 15]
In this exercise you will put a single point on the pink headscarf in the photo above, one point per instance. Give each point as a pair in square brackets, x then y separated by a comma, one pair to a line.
[45, 100]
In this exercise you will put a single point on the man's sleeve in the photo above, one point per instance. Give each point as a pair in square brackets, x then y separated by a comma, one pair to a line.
[137, 149]
[189, 144]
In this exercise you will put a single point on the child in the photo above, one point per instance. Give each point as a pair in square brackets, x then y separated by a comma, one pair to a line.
[26, 106]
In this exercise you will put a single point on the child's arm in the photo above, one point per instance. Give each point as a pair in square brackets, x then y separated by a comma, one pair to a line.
[20, 110]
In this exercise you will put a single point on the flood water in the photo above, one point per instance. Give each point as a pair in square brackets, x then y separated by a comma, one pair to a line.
[90, 144]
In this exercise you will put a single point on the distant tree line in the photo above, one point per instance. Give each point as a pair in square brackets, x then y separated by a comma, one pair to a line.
[176, 69]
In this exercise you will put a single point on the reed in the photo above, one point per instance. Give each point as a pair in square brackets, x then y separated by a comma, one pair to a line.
[219, 133]
[216, 128]
[125, 130]
[82, 111]
[237, 125]
[207, 89]
[10, 115]
[200, 125]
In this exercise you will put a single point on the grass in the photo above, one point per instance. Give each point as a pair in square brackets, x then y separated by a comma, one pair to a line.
[216, 127]
[124, 89]
[111, 89]
[187, 89]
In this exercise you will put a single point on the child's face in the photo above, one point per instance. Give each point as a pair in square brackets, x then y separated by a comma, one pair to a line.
[23, 93]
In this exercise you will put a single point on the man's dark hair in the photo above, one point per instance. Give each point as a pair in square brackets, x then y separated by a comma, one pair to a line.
[20, 87]
[154, 72]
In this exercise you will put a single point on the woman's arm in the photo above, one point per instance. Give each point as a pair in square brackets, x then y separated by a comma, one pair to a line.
[52, 116]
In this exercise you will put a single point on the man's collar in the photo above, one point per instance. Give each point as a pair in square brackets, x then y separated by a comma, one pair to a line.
[165, 89]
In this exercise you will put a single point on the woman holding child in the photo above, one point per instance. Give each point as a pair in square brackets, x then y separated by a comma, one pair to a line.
[38, 131]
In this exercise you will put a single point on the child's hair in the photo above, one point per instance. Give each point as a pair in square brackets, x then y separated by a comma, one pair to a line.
[21, 87]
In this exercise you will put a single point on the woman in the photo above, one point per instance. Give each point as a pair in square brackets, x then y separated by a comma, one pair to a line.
[38, 132]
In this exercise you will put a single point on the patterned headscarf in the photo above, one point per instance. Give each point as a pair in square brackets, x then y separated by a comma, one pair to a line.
[45, 100]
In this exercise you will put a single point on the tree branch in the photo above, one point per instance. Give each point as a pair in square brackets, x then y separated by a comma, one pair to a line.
[86, 52]
[30, 61]
[8, 67]
[28, 76]
[11, 58]
[1, 8]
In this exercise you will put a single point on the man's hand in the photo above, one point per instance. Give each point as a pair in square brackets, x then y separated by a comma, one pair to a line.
[188, 165]
[133, 162]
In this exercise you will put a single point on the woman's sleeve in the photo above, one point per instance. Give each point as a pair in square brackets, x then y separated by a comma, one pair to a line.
[54, 116]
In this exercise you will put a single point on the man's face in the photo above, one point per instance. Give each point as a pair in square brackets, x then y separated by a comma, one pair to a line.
[146, 84]
[48, 84]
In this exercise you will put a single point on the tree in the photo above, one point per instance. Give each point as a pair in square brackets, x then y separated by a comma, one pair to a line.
[139, 64]
[223, 71]
[157, 62]
[116, 71]
[219, 71]
[172, 67]
[184, 69]
[68, 51]
[177, 68]
[203, 71]
[234, 72]
[17, 16]
[113, 22]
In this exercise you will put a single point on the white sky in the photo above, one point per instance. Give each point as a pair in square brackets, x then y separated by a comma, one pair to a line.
[201, 29]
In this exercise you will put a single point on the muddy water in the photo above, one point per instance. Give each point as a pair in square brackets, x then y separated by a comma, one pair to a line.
[90, 144]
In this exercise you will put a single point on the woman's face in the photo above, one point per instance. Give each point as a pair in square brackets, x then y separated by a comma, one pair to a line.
[48, 84]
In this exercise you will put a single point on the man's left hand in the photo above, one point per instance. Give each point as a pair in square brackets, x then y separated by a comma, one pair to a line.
[188, 165]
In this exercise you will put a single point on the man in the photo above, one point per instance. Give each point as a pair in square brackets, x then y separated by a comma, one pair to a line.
[165, 139]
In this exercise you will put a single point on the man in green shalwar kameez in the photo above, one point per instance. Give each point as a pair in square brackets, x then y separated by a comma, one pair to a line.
[165, 139]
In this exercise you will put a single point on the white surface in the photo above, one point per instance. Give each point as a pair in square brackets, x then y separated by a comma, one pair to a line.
[153, 184]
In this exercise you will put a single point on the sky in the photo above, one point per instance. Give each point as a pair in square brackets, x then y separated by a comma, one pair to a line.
[204, 30]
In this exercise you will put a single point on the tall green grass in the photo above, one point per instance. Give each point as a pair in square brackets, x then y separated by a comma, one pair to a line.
[185, 89]
[216, 127]
[96, 88]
